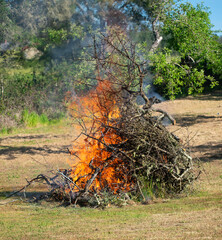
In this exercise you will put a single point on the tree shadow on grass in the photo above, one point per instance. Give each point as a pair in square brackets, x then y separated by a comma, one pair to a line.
[32, 137]
[10, 152]
[189, 120]
[210, 152]
[36, 197]
[31, 196]
[215, 96]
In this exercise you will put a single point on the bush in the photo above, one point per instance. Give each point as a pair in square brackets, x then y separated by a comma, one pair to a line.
[30, 119]
[43, 119]
[33, 119]
[5, 130]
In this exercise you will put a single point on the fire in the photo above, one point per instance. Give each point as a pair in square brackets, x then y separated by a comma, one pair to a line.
[94, 156]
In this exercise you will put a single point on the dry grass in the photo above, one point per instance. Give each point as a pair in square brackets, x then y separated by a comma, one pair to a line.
[196, 216]
[190, 218]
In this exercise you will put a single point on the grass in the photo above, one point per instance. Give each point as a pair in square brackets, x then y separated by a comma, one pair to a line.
[29, 221]
[5, 131]
[33, 119]
[55, 125]
[33, 122]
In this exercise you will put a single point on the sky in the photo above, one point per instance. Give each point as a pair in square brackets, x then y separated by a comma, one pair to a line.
[215, 9]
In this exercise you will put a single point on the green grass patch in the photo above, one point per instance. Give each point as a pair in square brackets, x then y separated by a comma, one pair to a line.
[43, 119]
[48, 221]
[34, 123]
[32, 119]
[5, 131]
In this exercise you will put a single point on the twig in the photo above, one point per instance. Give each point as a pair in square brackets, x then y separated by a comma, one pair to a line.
[68, 178]
[39, 177]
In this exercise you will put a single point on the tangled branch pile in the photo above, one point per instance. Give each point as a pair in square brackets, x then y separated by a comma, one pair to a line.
[126, 151]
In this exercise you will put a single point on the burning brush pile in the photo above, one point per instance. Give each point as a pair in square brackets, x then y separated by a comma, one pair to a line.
[123, 152]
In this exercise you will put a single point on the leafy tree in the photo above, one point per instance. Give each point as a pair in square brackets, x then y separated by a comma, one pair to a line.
[220, 39]
[3, 18]
[192, 57]
[152, 13]
[8, 28]
[35, 15]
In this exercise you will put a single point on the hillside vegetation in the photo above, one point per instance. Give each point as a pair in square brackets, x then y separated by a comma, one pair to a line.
[46, 51]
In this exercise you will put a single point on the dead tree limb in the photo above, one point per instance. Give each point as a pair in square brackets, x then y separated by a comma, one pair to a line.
[37, 179]
[166, 114]
[158, 37]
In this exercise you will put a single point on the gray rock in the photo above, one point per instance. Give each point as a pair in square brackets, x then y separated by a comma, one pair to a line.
[4, 46]
[31, 53]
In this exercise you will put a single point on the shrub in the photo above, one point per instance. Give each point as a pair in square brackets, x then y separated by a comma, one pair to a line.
[43, 119]
[30, 119]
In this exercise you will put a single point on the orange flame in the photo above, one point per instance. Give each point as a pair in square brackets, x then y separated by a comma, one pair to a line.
[100, 111]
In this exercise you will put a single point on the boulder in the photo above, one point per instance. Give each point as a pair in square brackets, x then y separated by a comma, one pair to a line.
[31, 53]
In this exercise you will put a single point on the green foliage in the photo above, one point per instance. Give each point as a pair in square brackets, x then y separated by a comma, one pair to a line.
[40, 85]
[175, 79]
[4, 20]
[191, 60]
[5, 130]
[8, 29]
[55, 37]
[186, 35]
[33, 119]
[152, 189]
[149, 9]
[33, 16]
[43, 119]
[62, 29]
[84, 73]
[30, 119]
